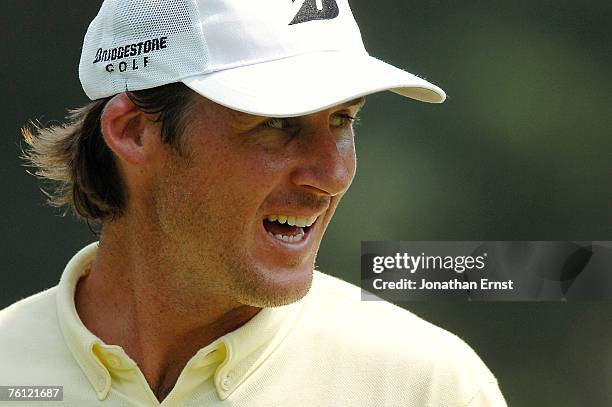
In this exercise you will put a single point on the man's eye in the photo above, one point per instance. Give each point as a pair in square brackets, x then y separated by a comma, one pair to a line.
[336, 120]
[341, 120]
[277, 123]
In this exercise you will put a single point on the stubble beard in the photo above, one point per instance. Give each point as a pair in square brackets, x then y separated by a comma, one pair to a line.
[254, 289]
[233, 275]
[206, 260]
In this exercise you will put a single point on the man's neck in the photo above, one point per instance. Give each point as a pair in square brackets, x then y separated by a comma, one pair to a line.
[129, 299]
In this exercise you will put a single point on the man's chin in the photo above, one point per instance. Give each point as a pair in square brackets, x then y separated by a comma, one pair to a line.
[275, 288]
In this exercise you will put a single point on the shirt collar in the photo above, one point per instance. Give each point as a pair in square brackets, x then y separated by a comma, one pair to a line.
[245, 348]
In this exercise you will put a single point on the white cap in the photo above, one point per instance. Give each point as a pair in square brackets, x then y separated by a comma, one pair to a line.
[265, 57]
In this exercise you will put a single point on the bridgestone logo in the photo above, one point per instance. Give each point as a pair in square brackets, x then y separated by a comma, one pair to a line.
[131, 50]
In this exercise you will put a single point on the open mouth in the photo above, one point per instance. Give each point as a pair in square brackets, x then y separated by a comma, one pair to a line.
[288, 229]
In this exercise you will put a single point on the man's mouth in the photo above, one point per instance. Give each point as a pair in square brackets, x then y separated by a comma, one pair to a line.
[288, 229]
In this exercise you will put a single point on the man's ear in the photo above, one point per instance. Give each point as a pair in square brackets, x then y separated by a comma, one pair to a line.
[127, 131]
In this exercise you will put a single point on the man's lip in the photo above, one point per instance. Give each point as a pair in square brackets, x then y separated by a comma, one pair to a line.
[304, 217]
[295, 214]
[306, 229]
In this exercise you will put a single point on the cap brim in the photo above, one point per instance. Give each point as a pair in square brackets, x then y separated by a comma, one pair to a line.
[308, 83]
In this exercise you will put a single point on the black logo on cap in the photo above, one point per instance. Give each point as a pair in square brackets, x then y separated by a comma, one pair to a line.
[310, 10]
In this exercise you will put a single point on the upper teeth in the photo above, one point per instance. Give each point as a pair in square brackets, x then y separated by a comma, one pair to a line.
[292, 220]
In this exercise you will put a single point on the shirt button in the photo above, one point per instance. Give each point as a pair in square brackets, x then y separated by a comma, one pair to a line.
[113, 361]
[225, 383]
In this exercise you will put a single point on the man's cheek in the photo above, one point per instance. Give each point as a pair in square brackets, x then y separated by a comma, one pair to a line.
[350, 162]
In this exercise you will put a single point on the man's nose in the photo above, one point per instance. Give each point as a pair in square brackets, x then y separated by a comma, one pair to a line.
[326, 163]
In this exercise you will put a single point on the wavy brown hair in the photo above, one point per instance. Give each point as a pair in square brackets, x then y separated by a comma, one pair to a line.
[79, 171]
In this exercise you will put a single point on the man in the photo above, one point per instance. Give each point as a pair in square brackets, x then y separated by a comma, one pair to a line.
[213, 156]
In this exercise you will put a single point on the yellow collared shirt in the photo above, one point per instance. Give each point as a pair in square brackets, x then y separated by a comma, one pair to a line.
[328, 349]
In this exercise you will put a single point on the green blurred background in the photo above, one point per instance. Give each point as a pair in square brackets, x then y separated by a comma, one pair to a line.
[522, 150]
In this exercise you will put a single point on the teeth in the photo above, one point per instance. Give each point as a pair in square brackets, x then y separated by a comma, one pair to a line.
[289, 239]
[292, 220]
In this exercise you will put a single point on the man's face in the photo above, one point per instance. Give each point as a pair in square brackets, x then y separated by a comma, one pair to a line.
[243, 211]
